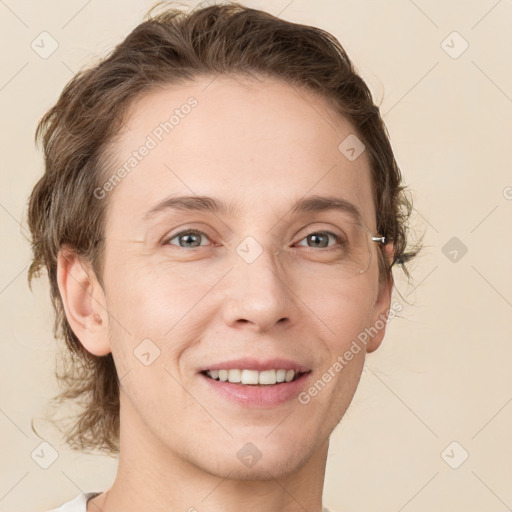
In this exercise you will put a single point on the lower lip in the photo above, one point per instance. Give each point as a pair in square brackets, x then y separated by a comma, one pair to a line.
[258, 396]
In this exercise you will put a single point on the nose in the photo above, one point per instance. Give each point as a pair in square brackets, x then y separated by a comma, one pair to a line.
[259, 294]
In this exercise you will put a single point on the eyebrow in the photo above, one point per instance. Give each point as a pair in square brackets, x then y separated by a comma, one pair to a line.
[313, 203]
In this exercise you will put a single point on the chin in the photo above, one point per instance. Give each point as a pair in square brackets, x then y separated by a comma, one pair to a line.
[260, 459]
[264, 470]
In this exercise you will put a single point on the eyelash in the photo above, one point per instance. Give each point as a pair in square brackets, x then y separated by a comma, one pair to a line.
[338, 239]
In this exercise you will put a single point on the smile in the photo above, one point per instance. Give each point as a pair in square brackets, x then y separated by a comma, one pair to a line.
[253, 377]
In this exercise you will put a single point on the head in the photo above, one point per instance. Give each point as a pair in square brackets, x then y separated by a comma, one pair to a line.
[231, 104]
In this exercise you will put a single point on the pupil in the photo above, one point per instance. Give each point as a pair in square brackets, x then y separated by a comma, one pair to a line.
[187, 238]
[315, 238]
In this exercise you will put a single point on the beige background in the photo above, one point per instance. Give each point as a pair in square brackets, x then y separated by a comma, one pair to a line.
[443, 373]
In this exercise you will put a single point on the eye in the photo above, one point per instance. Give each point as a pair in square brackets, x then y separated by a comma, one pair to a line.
[320, 239]
[191, 238]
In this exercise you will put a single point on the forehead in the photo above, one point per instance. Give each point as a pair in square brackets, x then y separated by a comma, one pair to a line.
[258, 144]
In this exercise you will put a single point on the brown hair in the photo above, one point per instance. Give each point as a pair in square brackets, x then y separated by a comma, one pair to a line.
[171, 47]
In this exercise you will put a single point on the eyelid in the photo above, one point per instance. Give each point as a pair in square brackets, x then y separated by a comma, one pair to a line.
[321, 227]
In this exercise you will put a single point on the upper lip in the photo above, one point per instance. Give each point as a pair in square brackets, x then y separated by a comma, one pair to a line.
[258, 364]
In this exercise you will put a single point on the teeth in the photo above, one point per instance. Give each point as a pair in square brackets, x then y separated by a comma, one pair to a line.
[289, 375]
[234, 375]
[267, 377]
[252, 377]
[249, 377]
[280, 375]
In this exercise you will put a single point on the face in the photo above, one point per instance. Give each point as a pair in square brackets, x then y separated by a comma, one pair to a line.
[189, 289]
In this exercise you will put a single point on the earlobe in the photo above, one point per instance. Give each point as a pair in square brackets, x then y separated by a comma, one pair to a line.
[84, 302]
[382, 306]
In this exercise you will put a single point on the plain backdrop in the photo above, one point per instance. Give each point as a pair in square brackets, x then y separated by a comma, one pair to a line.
[429, 427]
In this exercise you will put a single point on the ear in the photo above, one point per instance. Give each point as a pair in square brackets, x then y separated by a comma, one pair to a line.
[382, 305]
[84, 302]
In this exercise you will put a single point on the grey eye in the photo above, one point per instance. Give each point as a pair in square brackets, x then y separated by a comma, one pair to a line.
[188, 239]
[320, 239]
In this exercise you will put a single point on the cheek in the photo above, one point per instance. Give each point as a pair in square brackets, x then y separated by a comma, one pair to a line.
[148, 294]
[150, 302]
[345, 310]
[344, 307]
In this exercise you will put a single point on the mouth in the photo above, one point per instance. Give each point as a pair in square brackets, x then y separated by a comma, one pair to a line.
[256, 383]
[249, 377]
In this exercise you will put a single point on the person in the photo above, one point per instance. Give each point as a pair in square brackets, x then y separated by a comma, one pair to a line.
[220, 217]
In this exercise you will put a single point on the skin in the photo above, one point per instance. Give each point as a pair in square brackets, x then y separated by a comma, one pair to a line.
[260, 144]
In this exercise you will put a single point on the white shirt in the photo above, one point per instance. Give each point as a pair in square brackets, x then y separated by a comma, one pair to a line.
[79, 504]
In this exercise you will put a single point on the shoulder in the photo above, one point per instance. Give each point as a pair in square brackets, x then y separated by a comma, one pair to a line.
[78, 504]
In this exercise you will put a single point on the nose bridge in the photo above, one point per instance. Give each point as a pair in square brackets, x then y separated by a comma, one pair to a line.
[258, 292]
